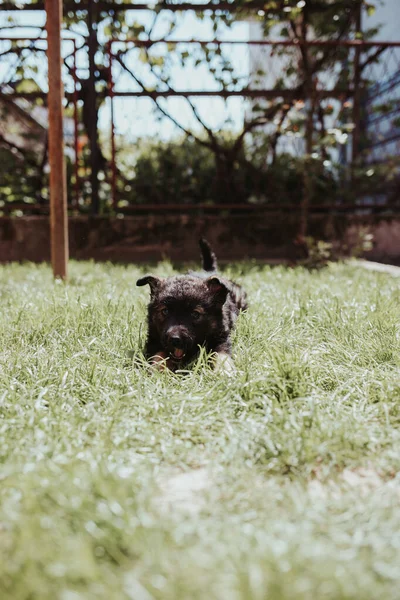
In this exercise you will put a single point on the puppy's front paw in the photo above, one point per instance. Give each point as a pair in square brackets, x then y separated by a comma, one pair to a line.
[159, 361]
[223, 363]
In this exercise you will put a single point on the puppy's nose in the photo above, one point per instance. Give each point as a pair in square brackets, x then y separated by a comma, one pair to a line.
[176, 341]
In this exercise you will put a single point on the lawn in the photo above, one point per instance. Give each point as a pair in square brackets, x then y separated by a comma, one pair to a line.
[279, 483]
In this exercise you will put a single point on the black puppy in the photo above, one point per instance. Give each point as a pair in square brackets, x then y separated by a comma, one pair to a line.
[188, 311]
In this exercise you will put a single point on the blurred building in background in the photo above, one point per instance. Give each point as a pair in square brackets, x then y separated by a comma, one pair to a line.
[381, 114]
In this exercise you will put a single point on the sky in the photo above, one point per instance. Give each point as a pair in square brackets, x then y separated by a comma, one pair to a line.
[134, 117]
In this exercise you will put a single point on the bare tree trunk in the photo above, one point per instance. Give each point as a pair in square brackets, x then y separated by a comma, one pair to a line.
[307, 171]
[307, 175]
[226, 189]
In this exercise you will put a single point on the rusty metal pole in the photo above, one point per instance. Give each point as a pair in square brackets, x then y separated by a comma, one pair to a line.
[92, 44]
[76, 133]
[112, 131]
[58, 180]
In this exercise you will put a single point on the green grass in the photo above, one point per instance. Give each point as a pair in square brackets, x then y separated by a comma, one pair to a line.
[279, 483]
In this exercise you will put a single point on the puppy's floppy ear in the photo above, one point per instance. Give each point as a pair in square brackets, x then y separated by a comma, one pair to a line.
[217, 288]
[153, 282]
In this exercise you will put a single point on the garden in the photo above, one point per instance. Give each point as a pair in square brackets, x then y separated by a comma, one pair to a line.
[119, 481]
[127, 132]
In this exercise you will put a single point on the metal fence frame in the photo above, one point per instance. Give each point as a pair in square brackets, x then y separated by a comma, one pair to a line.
[352, 92]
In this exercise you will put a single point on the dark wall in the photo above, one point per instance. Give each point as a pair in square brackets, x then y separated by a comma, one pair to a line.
[265, 236]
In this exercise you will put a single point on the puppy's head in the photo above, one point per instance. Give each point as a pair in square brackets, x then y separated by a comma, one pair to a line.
[184, 312]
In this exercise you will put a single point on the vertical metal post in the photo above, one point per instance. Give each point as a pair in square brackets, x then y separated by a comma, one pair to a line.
[58, 180]
[357, 93]
[92, 106]
[76, 133]
[112, 131]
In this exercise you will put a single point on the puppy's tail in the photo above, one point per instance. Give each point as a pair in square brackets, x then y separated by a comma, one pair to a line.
[208, 257]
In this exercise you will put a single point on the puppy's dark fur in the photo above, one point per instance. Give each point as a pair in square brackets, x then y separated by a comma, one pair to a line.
[189, 311]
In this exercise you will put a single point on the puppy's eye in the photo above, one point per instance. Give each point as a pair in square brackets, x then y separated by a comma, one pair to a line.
[164, 311]
[196, 315]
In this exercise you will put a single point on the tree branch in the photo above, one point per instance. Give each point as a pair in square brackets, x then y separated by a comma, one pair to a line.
[257, 122]
[214, 142]
[371, 58]
[21, 151]
[160, 108]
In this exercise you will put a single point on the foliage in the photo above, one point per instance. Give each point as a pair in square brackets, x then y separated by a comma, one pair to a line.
[280, 482]
[178, 171]
[319, 253]
[20, 181]
[23, 182]
[323, 126]
[182, 171]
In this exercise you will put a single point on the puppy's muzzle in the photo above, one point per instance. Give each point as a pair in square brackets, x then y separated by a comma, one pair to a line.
[177, 343]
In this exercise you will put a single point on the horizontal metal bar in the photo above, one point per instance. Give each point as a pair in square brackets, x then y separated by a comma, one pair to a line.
[125, 6]
[133, 6]
[6, 38]
[202, 42]
[223, 6]
[11, 206]
[253, 208]
[268, 94]
[184, 208]
[33, 95]
[293, 94]
[294, 43]
[10, 7]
